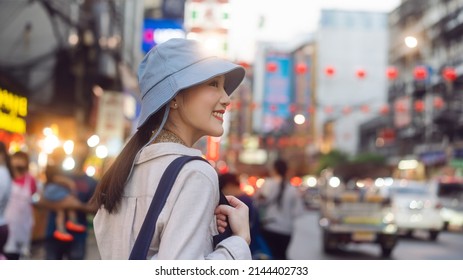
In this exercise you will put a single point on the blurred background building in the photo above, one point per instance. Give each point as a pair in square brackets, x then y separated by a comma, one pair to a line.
[73, 63]
[348, 80]
[351, 85]
[422, 122]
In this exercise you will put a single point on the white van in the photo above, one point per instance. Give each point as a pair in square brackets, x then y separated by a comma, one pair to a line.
[415, 207]
[450, 193]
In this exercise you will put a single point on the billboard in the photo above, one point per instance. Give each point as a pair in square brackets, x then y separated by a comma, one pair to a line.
[277, 91]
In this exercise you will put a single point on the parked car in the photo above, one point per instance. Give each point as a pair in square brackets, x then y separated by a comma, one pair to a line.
[352, 216]
[311, 196]
[450, 194]
[415, 207]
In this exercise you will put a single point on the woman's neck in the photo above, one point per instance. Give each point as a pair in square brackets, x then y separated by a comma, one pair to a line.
[168, 136]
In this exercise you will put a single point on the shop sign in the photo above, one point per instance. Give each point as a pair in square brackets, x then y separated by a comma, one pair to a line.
[156, 31]
[433, 157]
[13, 110]
[110, 121]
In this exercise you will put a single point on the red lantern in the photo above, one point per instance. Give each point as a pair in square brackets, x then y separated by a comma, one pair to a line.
[419, 106]
[329, 71]
[346, 110]
[273, 107]
[388, 134]
[384, 110]
[311, 110]
[360, 73]
[449, 74]
[271, 67]
[392, 73]
[420, 73]
[438, 102]
[328, 109]
[293, 108]
[301, 68]
[365, 108]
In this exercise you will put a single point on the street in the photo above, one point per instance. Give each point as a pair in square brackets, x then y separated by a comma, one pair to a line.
[306, 245]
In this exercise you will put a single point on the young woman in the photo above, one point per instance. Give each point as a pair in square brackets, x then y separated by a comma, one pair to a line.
[185, 93]
[281, 204]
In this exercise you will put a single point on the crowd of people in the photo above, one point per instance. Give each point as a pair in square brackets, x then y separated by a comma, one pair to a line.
[64, 195]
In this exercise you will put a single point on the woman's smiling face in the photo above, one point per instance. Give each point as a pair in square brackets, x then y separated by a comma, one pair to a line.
[200, 110]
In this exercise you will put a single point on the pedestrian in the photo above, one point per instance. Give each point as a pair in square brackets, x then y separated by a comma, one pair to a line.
[60, 189]
[281, 204]
[19, 212]
[185, 93]
[6, 175]
[84, 186]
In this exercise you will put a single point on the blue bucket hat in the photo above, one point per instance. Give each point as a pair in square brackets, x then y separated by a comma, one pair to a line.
[179, 64]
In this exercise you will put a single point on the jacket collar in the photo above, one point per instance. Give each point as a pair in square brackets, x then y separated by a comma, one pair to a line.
[166, 148]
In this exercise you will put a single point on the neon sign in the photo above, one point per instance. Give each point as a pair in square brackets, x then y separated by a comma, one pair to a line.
[156, 31]
[13, 110]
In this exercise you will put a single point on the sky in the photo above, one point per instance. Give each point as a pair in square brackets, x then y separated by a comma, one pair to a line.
[270, 20]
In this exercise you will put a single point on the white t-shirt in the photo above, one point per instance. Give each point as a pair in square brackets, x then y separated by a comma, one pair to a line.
[279, 218]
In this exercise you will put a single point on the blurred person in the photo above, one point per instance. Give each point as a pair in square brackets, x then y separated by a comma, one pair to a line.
[19, 212]
[185, 93]
[229, 184]
[282, 204]
[61, 188]
[6, 175]
[83, 187]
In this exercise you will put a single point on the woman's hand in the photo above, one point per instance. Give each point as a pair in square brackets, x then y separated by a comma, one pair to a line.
[238, 217]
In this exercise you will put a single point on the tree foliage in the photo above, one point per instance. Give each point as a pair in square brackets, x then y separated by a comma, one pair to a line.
[338, 158]
[331, 160]
[369, 158]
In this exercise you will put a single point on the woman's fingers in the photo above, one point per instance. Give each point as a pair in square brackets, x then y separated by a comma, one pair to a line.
[234, 201]
[237, 216]
[222, 224]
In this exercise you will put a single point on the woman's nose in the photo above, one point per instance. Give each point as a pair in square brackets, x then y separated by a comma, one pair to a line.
[225, 100]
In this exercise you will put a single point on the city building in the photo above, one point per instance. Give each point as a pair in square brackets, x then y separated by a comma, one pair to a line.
[425, 100]
[351, 85]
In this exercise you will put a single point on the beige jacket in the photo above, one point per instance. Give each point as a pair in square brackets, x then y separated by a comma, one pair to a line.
[186, 225]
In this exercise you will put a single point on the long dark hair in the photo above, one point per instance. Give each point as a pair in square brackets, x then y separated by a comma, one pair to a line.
[111, 186]
[281, 168]
[6, 158]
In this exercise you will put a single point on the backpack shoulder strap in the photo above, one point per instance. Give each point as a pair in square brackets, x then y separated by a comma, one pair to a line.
[143, 241]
